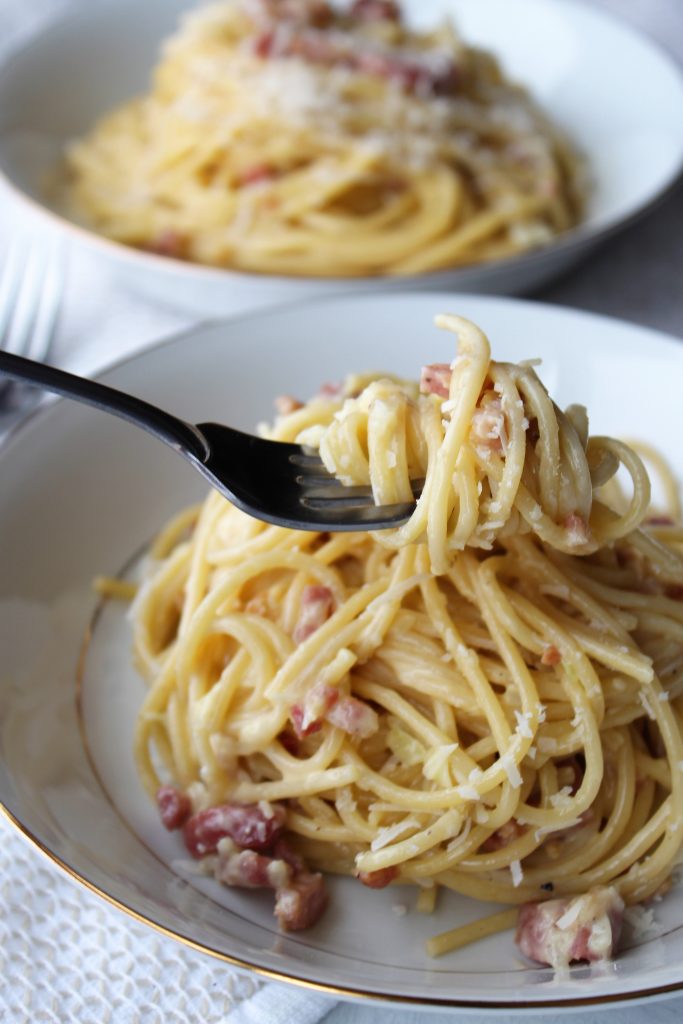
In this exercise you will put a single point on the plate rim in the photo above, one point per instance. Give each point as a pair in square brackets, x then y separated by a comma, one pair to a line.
[341, 991]
[566, 243]
[346, 992]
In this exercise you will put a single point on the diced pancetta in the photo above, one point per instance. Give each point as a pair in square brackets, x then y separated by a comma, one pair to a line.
[578, 531]
[256, 175]
[303, 726]
[378, 879]
[329, 390]
[285, 404]
[175, 807]
[247, 869]
[414, 72]
[435, 379]
[354, 717]
[323, 703]
[307, 717]
[303, 12]
[300, 896]
[488, 430]
[504, 835]
[551, 656]
[317, 604]
[301, 903]
[251, 853]
[169, 243]
[562, 931]
[375, 10]
[251, 826]
[283, 851]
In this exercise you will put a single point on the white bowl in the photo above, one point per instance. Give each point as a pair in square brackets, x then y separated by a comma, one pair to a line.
[82, 493]
[614, 91]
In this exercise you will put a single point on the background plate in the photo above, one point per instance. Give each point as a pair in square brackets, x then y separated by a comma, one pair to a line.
[613, 90]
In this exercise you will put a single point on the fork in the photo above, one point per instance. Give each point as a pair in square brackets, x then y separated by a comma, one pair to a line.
[284, 484]
[30, 295]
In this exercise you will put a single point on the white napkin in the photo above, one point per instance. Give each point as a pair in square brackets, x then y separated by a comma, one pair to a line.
[278, 1004]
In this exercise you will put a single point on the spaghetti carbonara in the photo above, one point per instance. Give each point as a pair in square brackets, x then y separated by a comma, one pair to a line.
[292, 137]
[493, 707]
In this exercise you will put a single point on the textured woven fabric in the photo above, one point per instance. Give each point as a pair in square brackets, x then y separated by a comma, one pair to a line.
[66, 955]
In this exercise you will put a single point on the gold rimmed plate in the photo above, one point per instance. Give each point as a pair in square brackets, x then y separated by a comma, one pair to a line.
[82, 494]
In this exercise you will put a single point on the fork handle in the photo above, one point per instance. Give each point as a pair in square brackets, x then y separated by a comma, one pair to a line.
[182, 436]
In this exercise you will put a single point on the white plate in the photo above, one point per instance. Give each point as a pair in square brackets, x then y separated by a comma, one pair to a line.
[82, 493]
[614, 91]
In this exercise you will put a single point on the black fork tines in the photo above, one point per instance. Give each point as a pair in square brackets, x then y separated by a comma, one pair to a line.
[327, 488]
[371, 514]
[307, 462]
[308, 480]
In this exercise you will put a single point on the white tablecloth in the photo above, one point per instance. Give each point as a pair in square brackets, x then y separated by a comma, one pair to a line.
[64, 954]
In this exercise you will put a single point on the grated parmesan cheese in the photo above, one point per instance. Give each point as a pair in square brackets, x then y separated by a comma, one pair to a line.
[647, 704]
[561, 797]
[467, 792]
[641, 920]
[266, 809]
[385, 836]
[555, 590]
[511, 770]
[523, 727]
[459, 839]
[570, 916]
[546, 830]
[481, 816]
[516, 872]
[436, 766]
[199, 796]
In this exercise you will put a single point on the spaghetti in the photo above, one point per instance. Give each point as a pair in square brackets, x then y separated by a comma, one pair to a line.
[507, 722]
[286, 136]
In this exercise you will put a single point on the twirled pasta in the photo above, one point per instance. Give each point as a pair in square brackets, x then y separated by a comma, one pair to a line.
[286, 136]
[510, 726]
[497, 456]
